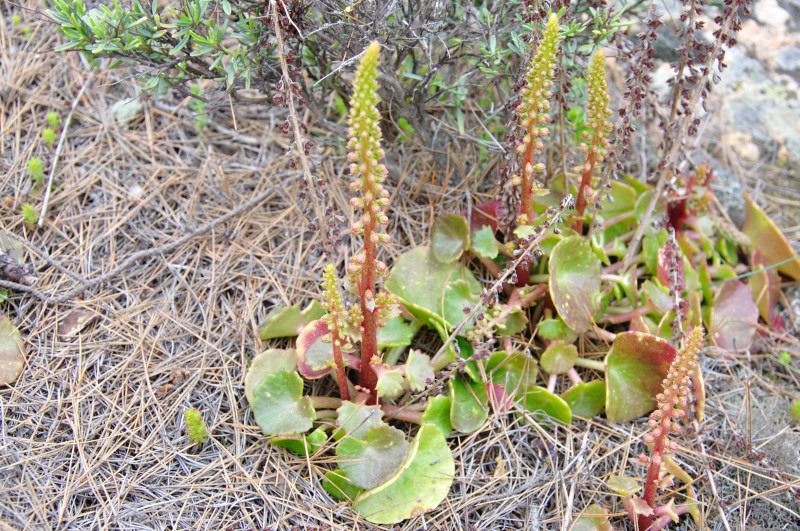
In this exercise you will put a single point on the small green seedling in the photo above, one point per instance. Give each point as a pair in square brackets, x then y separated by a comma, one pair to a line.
[49, 136]
[36, 170]
[30, 215]
[195, 427]
[54, 120]
[198, 106]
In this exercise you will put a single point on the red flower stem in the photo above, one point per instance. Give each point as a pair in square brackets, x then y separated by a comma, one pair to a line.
[527, 177]
[341, 377]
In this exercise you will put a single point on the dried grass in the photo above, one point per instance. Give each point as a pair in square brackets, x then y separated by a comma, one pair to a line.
[91, 435]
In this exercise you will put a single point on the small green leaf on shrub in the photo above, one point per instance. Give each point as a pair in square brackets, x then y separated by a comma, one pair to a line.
[586, 399]
[373, 460]
[12, 357]
[289, 322]
[438, 414]
[450, 237]
[355, 420]
[301, 444]
[195, 427]
[337, 485]
[469, 405]
[418, 487]
[268, 362]
[635, 367]
[575, 282]
[484, 244]
[539, 400]
[279, 406]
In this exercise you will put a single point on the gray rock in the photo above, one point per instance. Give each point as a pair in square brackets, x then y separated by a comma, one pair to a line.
[788, 61]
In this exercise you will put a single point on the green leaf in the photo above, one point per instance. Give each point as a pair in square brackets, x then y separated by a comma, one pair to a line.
[484, 244]
[450, 237]
[268, 362]
[12, 355]
[795, 409]
[586, 399]
[195, 427]
[435, 293]
[390, 382]
[469, 405]
[314, 354]
[558, 358]
[635, 367]
[418, 487]
[355, 420]
[373, 460]
[419, 372]
[279, 406]
[301, 444]
[397, 333]
[438, 414]
[593, 518]
[513, 372]
[575, 282]
[769, 240]
[623, 485]
[515, 322]
[226, 7]
[337, 485]
[555, 330]
[289, 322]
[734, 316]
[539, 400]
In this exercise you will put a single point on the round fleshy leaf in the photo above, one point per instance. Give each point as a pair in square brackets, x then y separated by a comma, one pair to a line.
[268, 362]
[418, 371]
[450, 237]
[660, 299]
[734, 316]
[390, 382]
[289, 322]
[635, 367]
[438, 414]
[484, 243]
[624, 485]
[397, 333]
[765, 286]
[419, 486]
[355, 420]
[12, 355]
[337, 485]
[558, 358]
[279, 406]
[314, 356]
[575, 282]
[373, 460]
[770, 241]
[515, 322]
[469, 405]
[435, 293]
[514, 373]
[555, 330]
[539, 400]
[586, 399]
[301, 444]
[593, 518]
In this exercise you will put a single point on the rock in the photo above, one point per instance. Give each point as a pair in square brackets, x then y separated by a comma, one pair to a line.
[788, 61]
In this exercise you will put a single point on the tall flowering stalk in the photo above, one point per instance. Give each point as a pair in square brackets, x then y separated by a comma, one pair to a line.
[598, 121]
[533, 114]
[665, 420]
[336, 318]
[365, 154]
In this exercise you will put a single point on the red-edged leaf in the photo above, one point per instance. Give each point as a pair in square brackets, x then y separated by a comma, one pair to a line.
[575, 282]
[770, 241]
[314, 356]
[734, 316]
[765, 286]
[635, 367]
